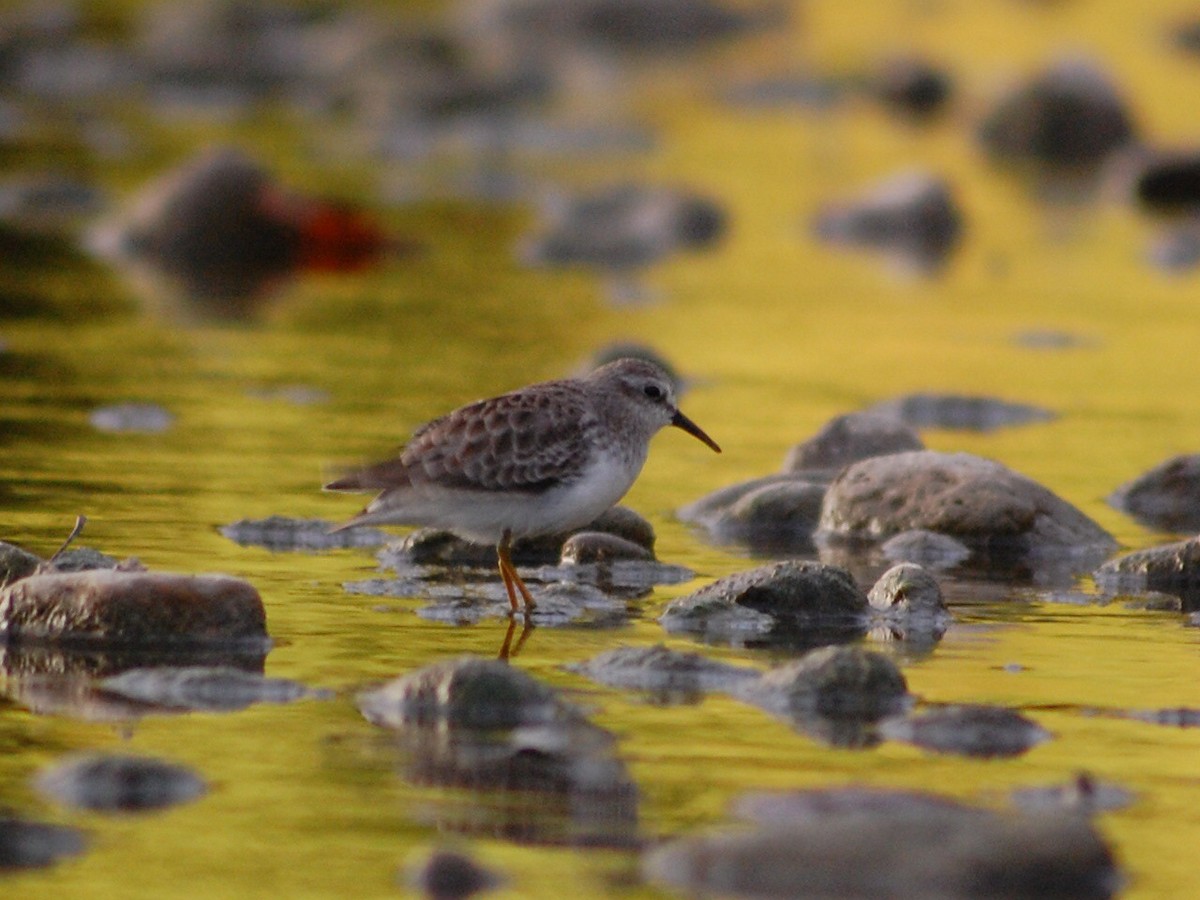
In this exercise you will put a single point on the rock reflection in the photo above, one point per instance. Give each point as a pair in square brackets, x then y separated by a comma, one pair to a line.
[531, 767]
[59, 681]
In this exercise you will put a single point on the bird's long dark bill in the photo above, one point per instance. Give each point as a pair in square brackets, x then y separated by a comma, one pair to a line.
[679, 420]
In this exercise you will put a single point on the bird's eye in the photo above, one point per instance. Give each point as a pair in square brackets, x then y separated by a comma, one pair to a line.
[653, 391]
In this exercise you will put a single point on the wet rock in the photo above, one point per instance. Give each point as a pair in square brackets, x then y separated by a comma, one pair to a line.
[548, 774]
[145, 418]
[558, 604]
[431, 546]
[849, 438]
[788, 90]
[1170, 568]
[925, 548]
[1179, 717]
[968, 730]
[710, 509]
[773, 519]
[115, 607]
[119, 783]
[467, 692]
[597, 547]
[1167, 497]
[1162, 182]
[1069, 115]
[668, 675]
[955, 411]
[280, 533]
[1081, 794]
[87, 559]
[449, 875]
[912, 217]
[799, 598]
[998, 513]
[1155, 601]
[33, 845]
[832, 682]
[910, 86]
[901, 850]
[625, 228]
[909, 605]
[16, 563]
[223, 232]
[1175, 249]
[205, 689]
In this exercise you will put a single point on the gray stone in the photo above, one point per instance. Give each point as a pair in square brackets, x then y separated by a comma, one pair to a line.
[968, 730]
[449, 875]
[913, 217]
[1171, 568]
[598, 547]
[900, 851]
[1167, 497]
[792, 595]
[466, 692]
[119, 783]
[907, 589]
[849, 438]
[32, 845]
[984, 504]
[772, 519]
[667, 674]
[959, 412]
[284, 533]
[16, 563]
[146, 418]
[117, 607]
[203, 688]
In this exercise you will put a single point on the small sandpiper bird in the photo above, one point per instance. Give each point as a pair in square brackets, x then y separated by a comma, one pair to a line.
[540, 460]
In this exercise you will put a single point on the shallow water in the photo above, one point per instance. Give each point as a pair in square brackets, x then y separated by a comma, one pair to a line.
[778, 333]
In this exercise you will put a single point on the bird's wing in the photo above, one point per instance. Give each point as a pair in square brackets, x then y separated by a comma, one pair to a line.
[525, 441]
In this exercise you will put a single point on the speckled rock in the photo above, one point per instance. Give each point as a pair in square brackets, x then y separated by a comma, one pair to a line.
[1068, 115]
[969, 730]
[984, 504]
[598, 547]
[898, 852]
[793, 594]
[1170, 568]
[119, 783]
[466, 692]
[665, 673]
[959, 412]
[912, 217]
[907, 589]
[121, 607]
[33, 845]
[833, 682]
[849, 438]
[1166, 497]
[16, 563]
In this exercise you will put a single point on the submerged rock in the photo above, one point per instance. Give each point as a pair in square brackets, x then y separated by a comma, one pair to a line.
[955, 411]
[912, 217]
[909, 605]
[895, 850]
[1000, 514]
[832, 682]
[666, 674]
[1069, 115]
[119, 783]
[1081, 794]
[849, 438]
[780, 809]
[1170, 568]
[467, 692]
[969, 730]
[120, 607]
[910, 86]
[278, 533]
[1166, 497]
[203, 688]
[776, 518]
[625, 227]
[33, 845]
[597, 547]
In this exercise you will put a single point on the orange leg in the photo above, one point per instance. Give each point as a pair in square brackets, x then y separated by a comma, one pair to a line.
[512, 581]
[507, 650]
